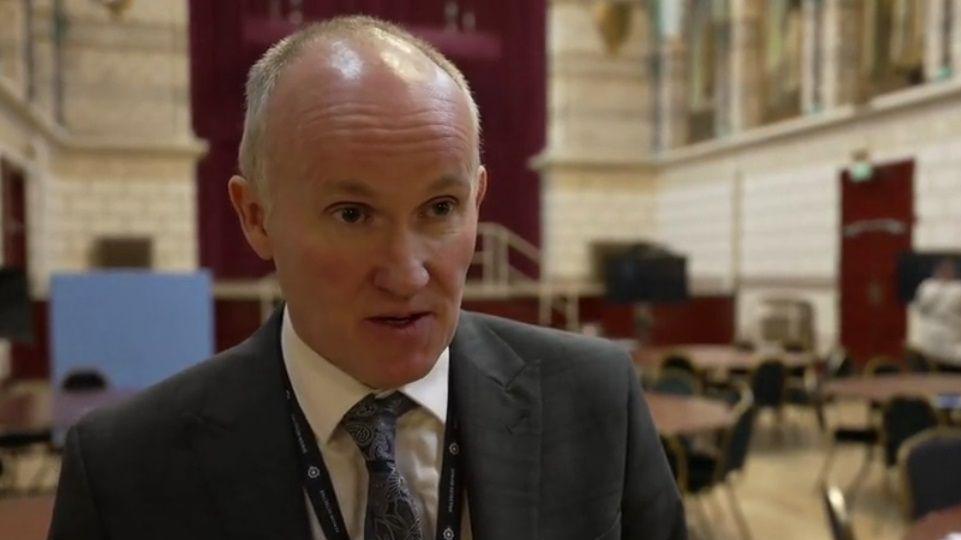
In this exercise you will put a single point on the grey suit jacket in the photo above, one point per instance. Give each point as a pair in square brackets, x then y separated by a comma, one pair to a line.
[558, 444]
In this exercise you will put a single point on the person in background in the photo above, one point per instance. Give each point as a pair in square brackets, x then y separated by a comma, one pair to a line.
[938, 304]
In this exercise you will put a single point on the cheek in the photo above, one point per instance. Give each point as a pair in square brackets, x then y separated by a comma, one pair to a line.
[334, 272]
[326, 271]
[453, 256]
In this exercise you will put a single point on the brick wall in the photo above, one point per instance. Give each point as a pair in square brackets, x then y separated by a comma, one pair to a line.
[128, 75]
[695, 216]
[592, 171]
[162, 209]
[599, 104]
[937, 196]
[12, 68]
[583, 207]
[790, 223]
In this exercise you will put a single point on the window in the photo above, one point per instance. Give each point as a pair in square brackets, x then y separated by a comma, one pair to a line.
[702, 62]
[782, 27]
[893, 54]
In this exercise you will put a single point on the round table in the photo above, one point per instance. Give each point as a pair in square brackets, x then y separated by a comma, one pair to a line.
[23, 416]
[884, 387]
[70, 407]
[38, 415]
[936, 525]
[688, 415]
[17, 410]
[721, 357]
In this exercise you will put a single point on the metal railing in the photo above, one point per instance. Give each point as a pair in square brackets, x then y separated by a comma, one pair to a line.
[496, 244]
[502, 279]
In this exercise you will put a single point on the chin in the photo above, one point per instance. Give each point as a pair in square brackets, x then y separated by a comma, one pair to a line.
[399, 374]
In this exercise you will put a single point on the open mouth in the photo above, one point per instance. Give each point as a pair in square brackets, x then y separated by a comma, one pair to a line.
[399, 321]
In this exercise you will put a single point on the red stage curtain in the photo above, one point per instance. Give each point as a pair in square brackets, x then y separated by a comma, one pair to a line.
[508, 78]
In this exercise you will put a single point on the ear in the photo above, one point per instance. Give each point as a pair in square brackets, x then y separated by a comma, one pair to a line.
[252, 214]
[481, 186]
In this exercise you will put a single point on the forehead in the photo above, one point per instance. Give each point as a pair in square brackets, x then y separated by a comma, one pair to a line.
[353, 102]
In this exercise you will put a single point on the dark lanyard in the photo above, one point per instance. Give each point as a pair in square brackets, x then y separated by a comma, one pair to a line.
[320, 489]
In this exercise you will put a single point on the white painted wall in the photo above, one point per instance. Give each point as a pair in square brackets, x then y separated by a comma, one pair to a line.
[787, 201]
[582, 207]
[695, 217]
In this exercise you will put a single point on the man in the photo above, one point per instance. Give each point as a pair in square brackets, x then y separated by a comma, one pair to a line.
[938, 304]
[370, 406]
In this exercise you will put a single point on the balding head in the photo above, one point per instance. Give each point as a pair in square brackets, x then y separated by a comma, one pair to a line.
[344, 51]
[362, 184]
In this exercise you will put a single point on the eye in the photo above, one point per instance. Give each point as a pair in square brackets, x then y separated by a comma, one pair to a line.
[441, 208]
[351, 214]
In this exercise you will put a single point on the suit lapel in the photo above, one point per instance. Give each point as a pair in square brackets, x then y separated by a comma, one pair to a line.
[244, 443]
[499, 405]
[243, 440]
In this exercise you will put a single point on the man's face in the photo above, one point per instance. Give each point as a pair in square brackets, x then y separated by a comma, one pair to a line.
[374, 197]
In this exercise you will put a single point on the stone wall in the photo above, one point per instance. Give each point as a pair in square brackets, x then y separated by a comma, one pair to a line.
[104, 137]
[115, 154]
[757, 212]
[599, 109]
[781, 232]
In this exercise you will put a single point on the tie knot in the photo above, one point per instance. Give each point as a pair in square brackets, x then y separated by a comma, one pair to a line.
[372, 424]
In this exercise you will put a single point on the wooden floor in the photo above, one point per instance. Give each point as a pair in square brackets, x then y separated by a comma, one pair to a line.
[777, 493]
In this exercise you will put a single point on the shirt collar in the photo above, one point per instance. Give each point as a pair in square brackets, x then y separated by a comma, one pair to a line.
[325, 393]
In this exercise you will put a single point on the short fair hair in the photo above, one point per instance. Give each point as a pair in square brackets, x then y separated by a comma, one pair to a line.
[263, 77]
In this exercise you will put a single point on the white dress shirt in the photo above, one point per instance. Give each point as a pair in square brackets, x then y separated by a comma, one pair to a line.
[938, 302]
[325, 393]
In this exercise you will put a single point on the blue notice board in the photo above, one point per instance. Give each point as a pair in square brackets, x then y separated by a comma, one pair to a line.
[136, 328]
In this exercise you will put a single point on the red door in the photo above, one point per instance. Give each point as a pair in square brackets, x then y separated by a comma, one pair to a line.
[28, 360]
[877, 218]
[14, 224]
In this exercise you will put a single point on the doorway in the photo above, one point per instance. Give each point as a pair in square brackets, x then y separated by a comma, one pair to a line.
[14, 225]
[877, 222]
[27, 357]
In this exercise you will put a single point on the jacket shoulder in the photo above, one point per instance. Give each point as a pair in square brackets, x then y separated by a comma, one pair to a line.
[159, 412]
[555, 349]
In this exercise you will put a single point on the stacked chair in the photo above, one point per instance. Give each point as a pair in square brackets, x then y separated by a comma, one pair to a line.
[835, 507]
[867, 435]
[901, 418]
[769, 388]
[677, 375]
[880, 366]
[700, 472]
[930, 467]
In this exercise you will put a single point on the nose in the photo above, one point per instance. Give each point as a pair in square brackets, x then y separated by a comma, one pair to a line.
[402, 272]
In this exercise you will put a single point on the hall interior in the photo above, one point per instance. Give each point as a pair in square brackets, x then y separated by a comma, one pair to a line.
[745, 194]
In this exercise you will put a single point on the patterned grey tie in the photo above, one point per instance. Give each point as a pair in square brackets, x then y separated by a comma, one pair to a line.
[372, 423]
